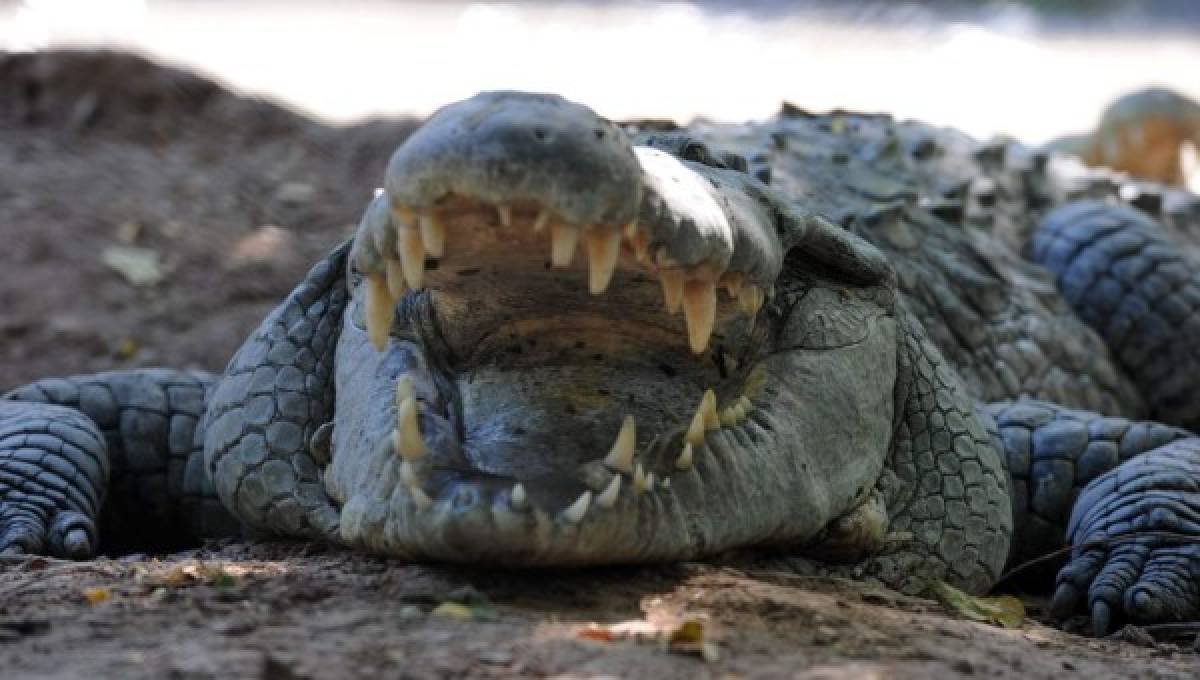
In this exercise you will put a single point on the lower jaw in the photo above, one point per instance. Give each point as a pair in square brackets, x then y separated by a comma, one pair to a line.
[473, 515]
[545, 419]
[475, 519]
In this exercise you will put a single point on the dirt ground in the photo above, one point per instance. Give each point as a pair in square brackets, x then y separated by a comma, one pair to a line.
[149, 217]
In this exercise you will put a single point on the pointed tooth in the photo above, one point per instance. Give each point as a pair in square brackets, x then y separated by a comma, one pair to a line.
[603, 246]
[381, 311]
[608, 497]
[708, 407]
[433, 234]
[539, 222]
[402, 214]
[739, 413]
[395, 278]
[700, 310]
[404, 390]
[412, 256]
[620, 457]
[746, 404]
[419, 497]
[518, 499]
[639, 479]
[751, 299]
[728, 417]
[695, 431]
[666, 483]
[733, 284]
[746, 298]
[650, 481]
[504, 212]
[575, 512]
[630, 229]
[563, 240]
[699, 424]
[641, 247]
[684, 461]
[672, 284]
[408, 474]
[664, 259]
[409, 443]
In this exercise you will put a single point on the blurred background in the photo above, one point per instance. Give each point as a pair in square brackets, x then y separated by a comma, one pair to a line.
[1034, 69]
[150, 217]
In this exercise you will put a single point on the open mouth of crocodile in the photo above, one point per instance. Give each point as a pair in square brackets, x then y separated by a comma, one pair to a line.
[571, 336]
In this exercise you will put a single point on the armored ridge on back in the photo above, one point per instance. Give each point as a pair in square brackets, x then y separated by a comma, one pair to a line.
[865, 369]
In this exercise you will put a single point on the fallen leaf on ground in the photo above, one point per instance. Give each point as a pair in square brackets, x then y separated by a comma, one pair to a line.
[688, 638]
[96, 595]
[139, 266]
[127, 348]
[194, 573]
[453, 610]
[595, 633]
[1005, 610]
[467, 604]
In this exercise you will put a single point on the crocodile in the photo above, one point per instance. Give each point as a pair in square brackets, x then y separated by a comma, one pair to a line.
[882, 346]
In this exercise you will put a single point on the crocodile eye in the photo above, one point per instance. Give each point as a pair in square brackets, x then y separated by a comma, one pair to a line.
[698, 153]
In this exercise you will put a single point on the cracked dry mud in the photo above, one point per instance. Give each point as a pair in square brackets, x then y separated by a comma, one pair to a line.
[132, 154]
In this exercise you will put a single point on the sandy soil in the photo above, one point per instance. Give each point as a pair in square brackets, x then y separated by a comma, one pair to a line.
[235, 197]
[301, 611]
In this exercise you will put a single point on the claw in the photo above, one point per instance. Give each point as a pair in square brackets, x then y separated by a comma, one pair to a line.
[1063, 603]
[1143, 605]
[77, 545]
[1101, 617]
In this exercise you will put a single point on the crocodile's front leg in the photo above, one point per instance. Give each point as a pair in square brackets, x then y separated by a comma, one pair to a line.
[944, 484]
[266, 416]
[1135, 534]
[1052, 453]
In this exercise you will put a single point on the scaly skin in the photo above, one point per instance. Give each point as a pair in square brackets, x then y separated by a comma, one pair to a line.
[440, 389]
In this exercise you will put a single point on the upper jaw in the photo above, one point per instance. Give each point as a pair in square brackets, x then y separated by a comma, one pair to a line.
[487, 181]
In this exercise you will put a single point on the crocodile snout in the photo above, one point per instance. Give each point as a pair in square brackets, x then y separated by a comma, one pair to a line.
[506, 147]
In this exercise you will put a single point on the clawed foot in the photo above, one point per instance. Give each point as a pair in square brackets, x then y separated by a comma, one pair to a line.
[25, 531]
[1137, 532]
[53, 465]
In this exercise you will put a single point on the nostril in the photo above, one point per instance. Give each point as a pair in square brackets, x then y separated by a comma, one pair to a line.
[539, 133]
[599, 133]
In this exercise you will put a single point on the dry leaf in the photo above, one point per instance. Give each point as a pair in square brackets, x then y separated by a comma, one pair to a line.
[139, 266]
[688, 638]
[96, 595]
[453, 610]
[1004, 610]
[195, 573]
[595, 633]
